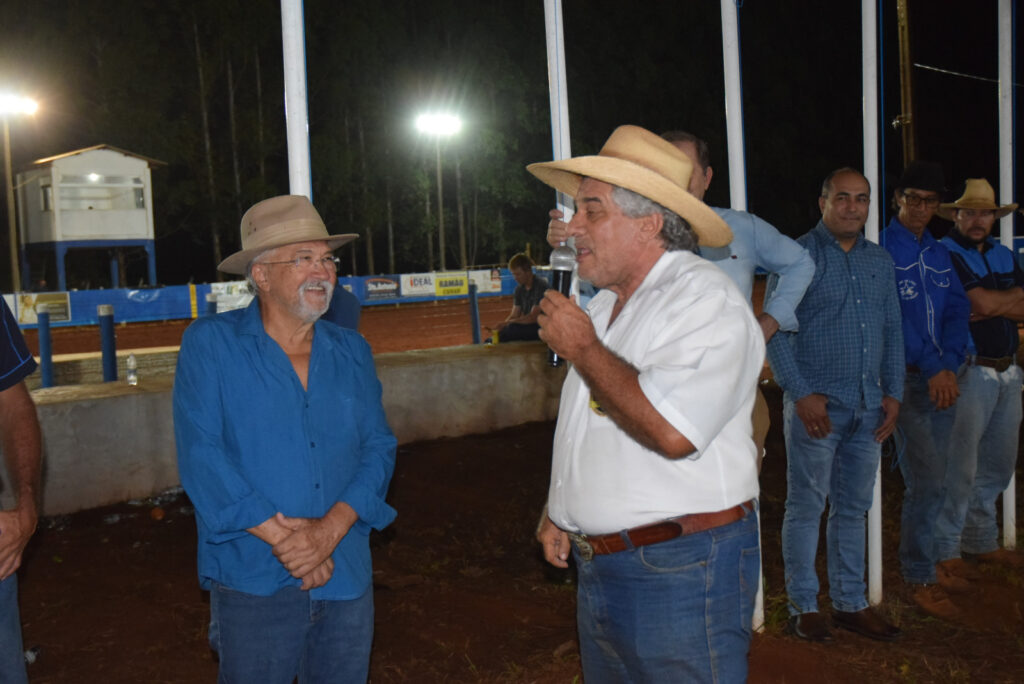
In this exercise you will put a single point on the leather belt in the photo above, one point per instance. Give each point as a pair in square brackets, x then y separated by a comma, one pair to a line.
[590, 546]
[999, 364]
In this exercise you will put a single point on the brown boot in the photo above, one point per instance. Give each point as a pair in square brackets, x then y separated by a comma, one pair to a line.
[958, 567]
[1010, 559]
[950, 582]
[933, 600]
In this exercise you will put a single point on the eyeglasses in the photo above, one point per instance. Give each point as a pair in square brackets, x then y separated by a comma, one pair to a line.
[916, 200]
[307, 262]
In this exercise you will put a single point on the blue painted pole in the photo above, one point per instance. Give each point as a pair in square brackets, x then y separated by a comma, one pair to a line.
[474, 313]
[107, 345]
[45, 345]
[211, 303]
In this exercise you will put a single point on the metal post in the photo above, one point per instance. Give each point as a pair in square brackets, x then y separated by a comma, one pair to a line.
[440, 205]
[211, 303]
[734, 105]
[474, 313]
[108, 346]
[293, 46]
[558, 92]
[45, 345]
[1006, 29]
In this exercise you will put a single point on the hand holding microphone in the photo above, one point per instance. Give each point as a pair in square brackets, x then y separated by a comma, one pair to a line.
[563, 260]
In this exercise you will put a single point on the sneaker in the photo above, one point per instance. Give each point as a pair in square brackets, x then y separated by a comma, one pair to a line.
[958, 567]
[954, 584]
[866, 623]
[933, 600]
[809, 627]
[1010, 559]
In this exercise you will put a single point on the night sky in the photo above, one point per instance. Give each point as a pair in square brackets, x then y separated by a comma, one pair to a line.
[124, 73]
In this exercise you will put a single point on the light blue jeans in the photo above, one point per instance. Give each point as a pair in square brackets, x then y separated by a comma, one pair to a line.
[925, 453]
[840, 467]
[273, 639]
[982, 457]
[12, 653]
[678, 611]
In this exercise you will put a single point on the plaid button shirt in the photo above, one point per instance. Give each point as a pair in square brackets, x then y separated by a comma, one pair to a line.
[850, 343]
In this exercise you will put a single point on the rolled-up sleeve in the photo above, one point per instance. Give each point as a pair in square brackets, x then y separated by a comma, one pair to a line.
[793, 267]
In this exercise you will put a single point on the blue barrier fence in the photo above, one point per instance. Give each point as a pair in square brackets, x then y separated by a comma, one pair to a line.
[189, 301]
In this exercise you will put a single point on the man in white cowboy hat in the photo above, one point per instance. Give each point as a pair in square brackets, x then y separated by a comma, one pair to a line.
[842, 379]
[654, 472]
[285, 451]
[755, 244]
[983, 447]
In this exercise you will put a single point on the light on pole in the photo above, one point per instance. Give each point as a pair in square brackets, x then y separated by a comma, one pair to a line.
[11, 104]
[439, 126]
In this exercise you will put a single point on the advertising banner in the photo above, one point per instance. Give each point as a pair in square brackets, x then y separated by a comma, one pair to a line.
[417, 284]
[29, 304]
[486, 280]
[381, 287]
[233, 295]
[453, 283]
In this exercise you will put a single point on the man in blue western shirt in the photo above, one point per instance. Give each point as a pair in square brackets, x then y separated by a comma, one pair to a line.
[19, 431]
[983, 448]
[935, 311]
[842, 376]
[285, 451]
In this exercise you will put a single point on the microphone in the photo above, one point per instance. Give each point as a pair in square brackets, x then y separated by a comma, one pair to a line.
[563, 259]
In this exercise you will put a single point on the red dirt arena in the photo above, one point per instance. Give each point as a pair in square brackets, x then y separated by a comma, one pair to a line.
[462, 594]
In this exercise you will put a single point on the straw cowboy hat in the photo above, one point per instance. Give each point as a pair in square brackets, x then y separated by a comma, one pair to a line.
[978, 194]
[276, 222]
[638, 160]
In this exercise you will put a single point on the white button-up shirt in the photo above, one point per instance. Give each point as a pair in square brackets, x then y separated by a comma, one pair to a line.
[699, 350]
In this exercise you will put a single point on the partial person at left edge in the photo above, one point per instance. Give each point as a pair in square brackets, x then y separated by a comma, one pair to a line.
[22, 446]
[285, 451]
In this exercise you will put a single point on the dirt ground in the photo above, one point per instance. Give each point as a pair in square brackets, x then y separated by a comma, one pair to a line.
[462, 595]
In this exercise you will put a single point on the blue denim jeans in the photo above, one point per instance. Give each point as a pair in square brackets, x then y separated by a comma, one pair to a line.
[678, 611]
[983, 453]
[840, 467]
[926, 435]
[273, 639]
[12, 653]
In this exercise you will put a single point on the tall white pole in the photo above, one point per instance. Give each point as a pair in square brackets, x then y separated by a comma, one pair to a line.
[558, 92]
[869, 78]
[1005, 30]
[293, 41]
[734, 106]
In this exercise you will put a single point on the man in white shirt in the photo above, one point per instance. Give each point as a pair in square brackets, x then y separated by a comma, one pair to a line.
[654, 473]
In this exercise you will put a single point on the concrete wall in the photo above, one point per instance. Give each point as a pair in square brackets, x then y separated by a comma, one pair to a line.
[105, 443]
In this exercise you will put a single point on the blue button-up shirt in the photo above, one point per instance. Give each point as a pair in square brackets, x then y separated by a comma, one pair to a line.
[850, 344]
[756, 243]
[935, 308]
[251, 442]
[15, 360]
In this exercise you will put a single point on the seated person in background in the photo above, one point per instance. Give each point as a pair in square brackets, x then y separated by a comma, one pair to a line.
[521, 323]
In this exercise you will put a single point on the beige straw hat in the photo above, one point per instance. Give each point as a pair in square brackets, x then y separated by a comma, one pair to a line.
[638, 160]
[978, 194]
[276, 222]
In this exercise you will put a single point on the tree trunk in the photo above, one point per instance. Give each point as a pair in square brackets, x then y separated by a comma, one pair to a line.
[367, 223]
[234, 141]
[260, 140]
[502, 255]
[391, 227]
[463, 257]
[211, 187]
[430, 233]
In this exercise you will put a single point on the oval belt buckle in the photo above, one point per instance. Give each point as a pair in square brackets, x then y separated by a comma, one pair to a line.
[584, 546]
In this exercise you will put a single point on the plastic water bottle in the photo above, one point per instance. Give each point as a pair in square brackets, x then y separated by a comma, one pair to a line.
[132, 370]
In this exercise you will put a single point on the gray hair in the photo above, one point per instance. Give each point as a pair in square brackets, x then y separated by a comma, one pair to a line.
[676, 233]
[254, 289]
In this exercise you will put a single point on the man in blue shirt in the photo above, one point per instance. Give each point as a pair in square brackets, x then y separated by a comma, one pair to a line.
[842, 377]
[19, 432]
[935, 311]
[983, 448]
[285, 451]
